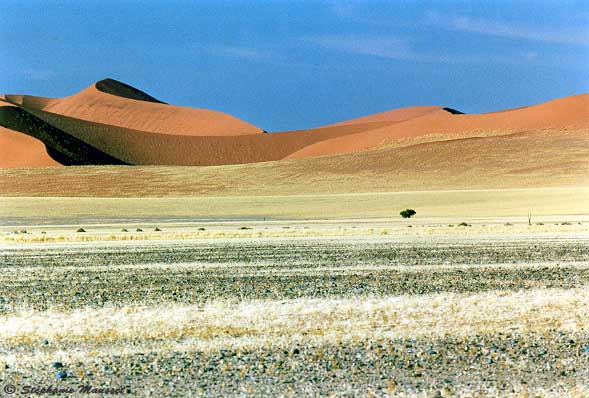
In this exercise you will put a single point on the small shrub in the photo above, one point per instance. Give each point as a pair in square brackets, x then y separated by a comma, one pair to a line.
[508, 224]
[408, 213]
[80, 230]
[156, 229]
[139, 230]
[202, 229]
[463, 224]
[124, 230]
[245, 228]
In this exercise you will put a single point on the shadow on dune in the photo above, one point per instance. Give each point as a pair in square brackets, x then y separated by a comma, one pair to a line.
[115, 87]
[62, 147]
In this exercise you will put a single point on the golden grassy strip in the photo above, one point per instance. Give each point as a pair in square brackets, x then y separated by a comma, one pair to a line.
[263, 323]
[458, 204]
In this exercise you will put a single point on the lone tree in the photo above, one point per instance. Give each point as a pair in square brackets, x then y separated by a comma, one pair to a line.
[407, 213]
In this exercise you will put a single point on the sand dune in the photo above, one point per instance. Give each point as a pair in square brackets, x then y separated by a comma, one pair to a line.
[138, 148]
[117, 104]
[60, 146]
[568, 112]
[394, 116]
[551, 158]
[21, 150]
[113, 123]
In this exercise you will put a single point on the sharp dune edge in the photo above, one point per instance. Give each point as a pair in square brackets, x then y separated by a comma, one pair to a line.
[113, 123]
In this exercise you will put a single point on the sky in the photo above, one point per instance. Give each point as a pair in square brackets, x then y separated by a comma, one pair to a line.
[285, 65]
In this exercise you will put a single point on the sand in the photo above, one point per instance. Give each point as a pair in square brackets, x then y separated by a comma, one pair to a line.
[92, 104]
[133, 127]
[569, 112]
[21, 150]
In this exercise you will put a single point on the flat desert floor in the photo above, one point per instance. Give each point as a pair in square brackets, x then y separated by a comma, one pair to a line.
[376, 307]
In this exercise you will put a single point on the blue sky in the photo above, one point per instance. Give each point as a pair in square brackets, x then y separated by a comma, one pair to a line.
[297, 64]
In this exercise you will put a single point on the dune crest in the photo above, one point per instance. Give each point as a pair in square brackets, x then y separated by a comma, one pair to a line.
[117, 104]
[394, 115]
[120, 89]
[111, 122]
[568, 112]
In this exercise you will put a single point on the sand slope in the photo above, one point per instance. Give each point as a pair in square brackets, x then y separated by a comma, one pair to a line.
[117, 104]
[113, 123]
[21, 150]
[568, 112]
[64, 148]
[393, 116]
[551, 158]
[140, 148]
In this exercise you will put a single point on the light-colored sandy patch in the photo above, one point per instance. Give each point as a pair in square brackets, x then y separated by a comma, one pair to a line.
[265, 322]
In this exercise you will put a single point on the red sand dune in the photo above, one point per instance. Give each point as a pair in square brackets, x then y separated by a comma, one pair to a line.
[110, 107]
[140, 148]
[395, 115]
[568, 112]
[21, 150]
[113, 123]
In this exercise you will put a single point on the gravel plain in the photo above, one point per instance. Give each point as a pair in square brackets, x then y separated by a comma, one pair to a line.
[377, 316]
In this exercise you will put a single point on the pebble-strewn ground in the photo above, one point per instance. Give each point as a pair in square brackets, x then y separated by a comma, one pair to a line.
[369, 316]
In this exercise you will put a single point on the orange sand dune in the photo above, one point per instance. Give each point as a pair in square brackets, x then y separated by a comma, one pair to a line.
[140, 148]
[568, 112]
[114, 103]
[113, 123]
[64, 148]
[21, 150]
[395, 115]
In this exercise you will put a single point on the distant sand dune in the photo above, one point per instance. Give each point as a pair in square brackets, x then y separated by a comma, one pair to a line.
[112, 105]
[568, 112]
[113, 123]
[60, 146]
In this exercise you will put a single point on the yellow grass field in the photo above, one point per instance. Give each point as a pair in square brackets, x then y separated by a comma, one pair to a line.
[437, 204]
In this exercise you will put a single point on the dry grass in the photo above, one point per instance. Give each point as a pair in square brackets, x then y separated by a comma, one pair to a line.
[346, 229]
[475, 315]
[524, 160]
[453, 204]
[283, 323]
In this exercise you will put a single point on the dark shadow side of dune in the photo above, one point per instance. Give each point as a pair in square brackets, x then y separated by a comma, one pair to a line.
[62, 147]
[120, 89]
[140, 148]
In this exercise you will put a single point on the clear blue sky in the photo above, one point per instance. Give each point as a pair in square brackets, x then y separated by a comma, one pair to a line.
[295, 64]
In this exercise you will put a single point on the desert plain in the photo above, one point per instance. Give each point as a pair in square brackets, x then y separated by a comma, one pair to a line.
[169, 259]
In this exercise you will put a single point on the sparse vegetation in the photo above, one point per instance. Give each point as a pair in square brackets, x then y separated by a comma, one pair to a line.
[348, 312]
[408, 213]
